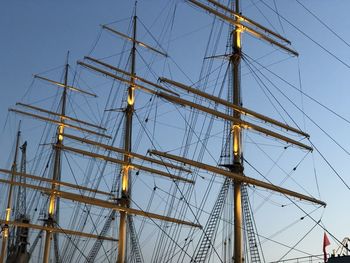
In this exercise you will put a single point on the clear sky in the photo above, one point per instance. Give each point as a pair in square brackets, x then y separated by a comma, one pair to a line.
[35, 36]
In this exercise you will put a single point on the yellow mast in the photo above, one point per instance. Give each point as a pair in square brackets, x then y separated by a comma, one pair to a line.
[5, 231]
[53, 204]
[125, 191]
[237, 136]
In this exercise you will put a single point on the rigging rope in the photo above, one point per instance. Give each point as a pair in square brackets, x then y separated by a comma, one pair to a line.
[278, 15]
[183, 196]
[323, 23]
[302, 92]
[261, 13]
[308, 37]
[318, 222]
[153, 221]
[329, 164]
[304, 114]
[70, 239]
[260, 82]
[87, 209]
[328, 135]
[297, 243]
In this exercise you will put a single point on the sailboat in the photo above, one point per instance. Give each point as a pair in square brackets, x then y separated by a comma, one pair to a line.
[161, 170]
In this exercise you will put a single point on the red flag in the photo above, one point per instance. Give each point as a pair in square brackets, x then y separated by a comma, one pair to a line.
[325, 244]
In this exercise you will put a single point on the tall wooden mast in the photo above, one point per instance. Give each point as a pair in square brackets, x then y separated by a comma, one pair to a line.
[5, 230]
[125, 187]
[237, 134]
[53, 209]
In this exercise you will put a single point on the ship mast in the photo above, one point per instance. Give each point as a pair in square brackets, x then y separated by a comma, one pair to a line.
[125, 191]
[239, 24]
[5, 230]
[235, 173]
[54, 192]
[237, 166]
[53, 210]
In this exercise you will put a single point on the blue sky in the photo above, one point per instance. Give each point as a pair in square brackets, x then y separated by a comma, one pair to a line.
[36, 35]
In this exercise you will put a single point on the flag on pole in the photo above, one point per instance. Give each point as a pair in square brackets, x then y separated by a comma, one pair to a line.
[325, 244]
